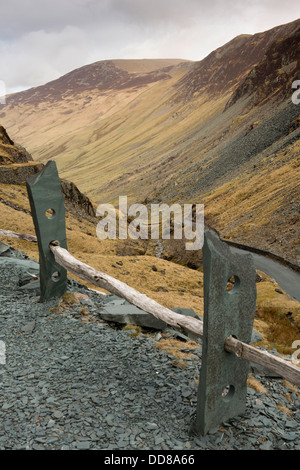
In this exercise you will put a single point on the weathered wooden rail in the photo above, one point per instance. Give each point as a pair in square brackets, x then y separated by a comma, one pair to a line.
[228, 315]
[22, 236]
[275, 364]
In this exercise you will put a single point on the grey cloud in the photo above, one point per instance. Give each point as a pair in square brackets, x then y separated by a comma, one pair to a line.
[19, 17]
[41, 40]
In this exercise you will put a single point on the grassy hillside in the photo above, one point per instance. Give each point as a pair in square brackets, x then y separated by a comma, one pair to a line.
[172, 285]
[222, 132]
[168, 130]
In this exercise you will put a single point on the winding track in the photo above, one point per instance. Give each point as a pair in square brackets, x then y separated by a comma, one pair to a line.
[287, 278]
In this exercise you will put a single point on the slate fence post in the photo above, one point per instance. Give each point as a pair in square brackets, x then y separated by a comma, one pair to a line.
[48, 213]
[229, 304]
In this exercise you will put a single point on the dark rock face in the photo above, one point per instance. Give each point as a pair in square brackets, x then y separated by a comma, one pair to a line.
[275, 72]
[16, 165]
[18, 174]
[4, 138]
[10, 152]
[243, 62]
[76, 198]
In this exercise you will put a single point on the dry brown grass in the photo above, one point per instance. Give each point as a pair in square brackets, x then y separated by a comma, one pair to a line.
[292, 387]
[144, 66]
[170, 284]
[277, 316]
[287, 395]
[174, 347]
[284, 409]
[247, 209]
[134, 330]
[254, 383]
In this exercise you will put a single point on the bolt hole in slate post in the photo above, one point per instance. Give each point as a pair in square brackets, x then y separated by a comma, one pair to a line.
[229, 309]
[229, 302]
[48, 213]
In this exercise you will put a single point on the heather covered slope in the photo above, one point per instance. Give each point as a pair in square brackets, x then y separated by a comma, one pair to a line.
[136, 263]
[59, 118]
[222, 131]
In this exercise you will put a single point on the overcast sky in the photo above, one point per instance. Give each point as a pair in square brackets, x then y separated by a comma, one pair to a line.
[41, 40]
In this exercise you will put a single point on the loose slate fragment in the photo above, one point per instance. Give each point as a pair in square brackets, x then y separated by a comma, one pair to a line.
[48, 213]
[120, 311]
[29, 327]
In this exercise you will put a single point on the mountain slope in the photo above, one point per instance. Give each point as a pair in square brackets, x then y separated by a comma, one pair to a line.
[16, 165]
[270, 76]
[135, 263]
[212, 132]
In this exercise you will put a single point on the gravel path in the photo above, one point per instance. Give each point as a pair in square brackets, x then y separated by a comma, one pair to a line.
[73, 384]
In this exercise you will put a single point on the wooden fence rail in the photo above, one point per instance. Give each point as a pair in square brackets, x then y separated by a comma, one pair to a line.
[280, 366]
[22, 236]
[275, 364]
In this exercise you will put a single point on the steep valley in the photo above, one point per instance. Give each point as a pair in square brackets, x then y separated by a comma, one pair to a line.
[222, 132]
[203, 132]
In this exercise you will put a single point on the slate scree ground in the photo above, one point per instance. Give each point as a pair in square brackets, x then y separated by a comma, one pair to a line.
[72, 380]
[69, 383]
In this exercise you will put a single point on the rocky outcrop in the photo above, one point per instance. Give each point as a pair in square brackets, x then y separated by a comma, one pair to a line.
[18, 173]
[11, 152]
[16, 165]
[274, 74]
[76, 200]
[228, 66]
[4, 138]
